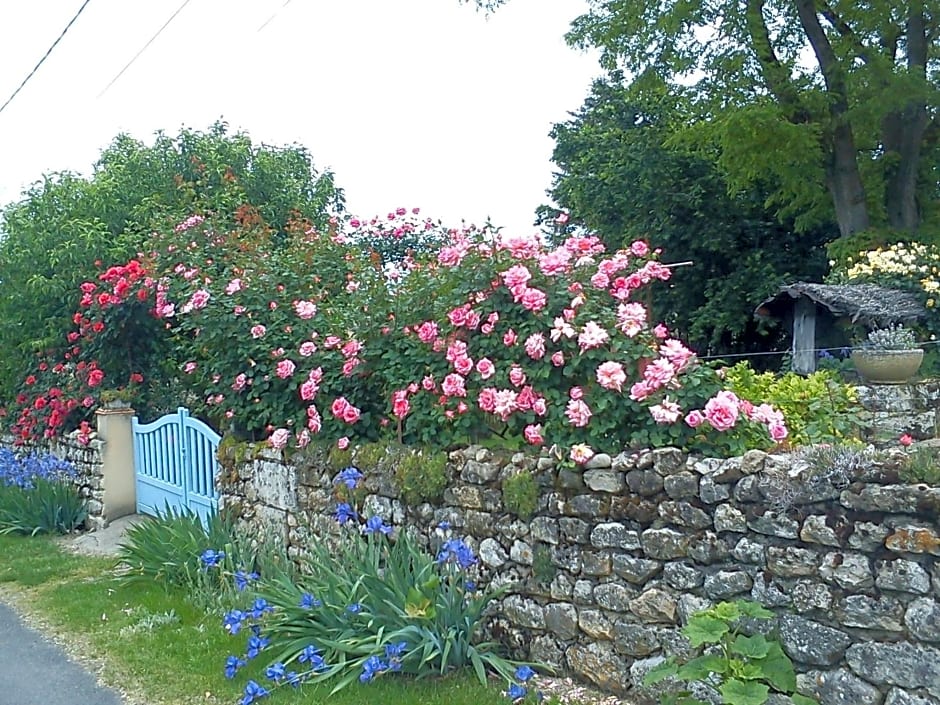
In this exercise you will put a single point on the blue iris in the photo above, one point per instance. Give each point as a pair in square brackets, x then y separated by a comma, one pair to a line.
[524, 673]
[372, 667]
[516, 692]
[349, 477]
[232, 664]
[308, 601]
[242, 579]
[253, 692]
[211, 558]
[376, 525]
[232, 621]
[456, 551]
[345, 513]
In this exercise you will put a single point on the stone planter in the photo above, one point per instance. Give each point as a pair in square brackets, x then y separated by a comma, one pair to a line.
[887, 366]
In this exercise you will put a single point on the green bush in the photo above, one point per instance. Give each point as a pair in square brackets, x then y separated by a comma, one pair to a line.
[47, 507]
[521, 494]
[817, 408]
[367, 606]
[38, 495]
[744, 669]
[922, 465]
[421, 476]
[211, 562]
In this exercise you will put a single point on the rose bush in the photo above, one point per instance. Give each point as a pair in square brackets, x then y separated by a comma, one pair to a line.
[292, 335]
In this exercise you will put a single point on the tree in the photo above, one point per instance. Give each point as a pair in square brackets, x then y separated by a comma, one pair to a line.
[51, 240]
[618, 176]
[835, 100]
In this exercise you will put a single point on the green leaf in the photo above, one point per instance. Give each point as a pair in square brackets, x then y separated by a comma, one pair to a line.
[755, 646]
[701, 667]
[703, 629]
[754, 609]
[778, 669]
[737, 692]
[661, 672]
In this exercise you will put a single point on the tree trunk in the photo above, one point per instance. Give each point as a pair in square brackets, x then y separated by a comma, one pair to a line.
[903, 135]
[845, 183]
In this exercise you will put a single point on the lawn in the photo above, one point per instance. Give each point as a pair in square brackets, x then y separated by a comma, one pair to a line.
[160, 649]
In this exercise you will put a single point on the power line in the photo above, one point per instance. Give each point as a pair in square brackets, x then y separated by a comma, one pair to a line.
[144, 48]
[46, 55]
[286, 3]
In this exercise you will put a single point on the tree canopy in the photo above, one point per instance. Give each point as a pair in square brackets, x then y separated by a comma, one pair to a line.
[619, 176]
[834, 100]
[51, 239]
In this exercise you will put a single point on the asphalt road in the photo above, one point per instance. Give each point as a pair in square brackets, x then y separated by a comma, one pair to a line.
[34, 671]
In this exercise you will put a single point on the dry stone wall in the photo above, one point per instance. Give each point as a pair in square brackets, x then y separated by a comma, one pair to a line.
[87, 461]
[621, 552]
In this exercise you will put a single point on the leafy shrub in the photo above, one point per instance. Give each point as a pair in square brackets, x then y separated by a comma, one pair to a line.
[922, 465]
[370, 606]
[744, 669]
[521, 494]
[487, 336]
[818, 407]
[211, 562]
[38, 495]
[421, 476]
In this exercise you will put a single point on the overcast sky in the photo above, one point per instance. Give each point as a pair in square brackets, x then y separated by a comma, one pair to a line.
[411, 102]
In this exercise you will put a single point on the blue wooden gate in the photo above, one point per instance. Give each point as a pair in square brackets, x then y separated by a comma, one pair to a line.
[175, 462]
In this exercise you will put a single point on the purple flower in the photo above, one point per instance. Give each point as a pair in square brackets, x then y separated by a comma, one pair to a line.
[349, 477]
[456, 551]
[308, 601]
[253, 692]
[376, 525]
[372, 667]
[211, 558]
[516, 692]
[345, 513]
[232, 664]
[232, 621]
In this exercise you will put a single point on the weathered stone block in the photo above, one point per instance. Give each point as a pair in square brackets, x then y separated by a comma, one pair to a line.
[903, 664]
[815, 530]
[896, 696]
[524, 612]
[479, 473]
[598, 461]
[811, 642]
[604, 480]
[728, 518]
[585, 505]
[902, 575]
[575, 530]
[599, 664]
[521, 552]
[492, 554]
[645, 483]
[544, 529]
[654, 605]
[561, 619]
[791, 562]
[595, 624]
[727, 583]
[808, 595]
[636, 639]
[851, 571]
[914, 539]
[614, 596]
[923, 619]
[774, 524]
[682, 485]
[614, 535]
[684, 514]
[712, 492]
[839, 687]
[668, 461]
[635, 570]
[682, 576]
[708, 549]
[896, 499]
[747, 551]
[883, 613]
[664, 544]
[595, 563]
[868, 536]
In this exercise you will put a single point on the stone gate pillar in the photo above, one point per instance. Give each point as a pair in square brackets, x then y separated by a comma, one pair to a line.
[117, 457]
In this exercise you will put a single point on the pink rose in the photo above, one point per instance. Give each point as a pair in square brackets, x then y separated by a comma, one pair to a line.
[576, 393]
[351, 414]
[342, 443]
[463, 365]
[533, 434]
[516, 376]
[533, 300]
[721, 410]
[285, 368]
[578, 413]
[486, 368]
[314, 422]
[535, 346]
[581, 453]
[339, 407]
[905, 440]
[778, 432]
[233, 286]
[308, 390]
[516, 276]
[665, 412]
[694, 419]
[240, 382]
[305, 309]
[279, 438]
[453, 386]
[427, 332]
[428, 383]
[258, 331]
[661, 332]
[558, 358]
[611, 375]
[509, 339]
[307, 348]
[639, 248]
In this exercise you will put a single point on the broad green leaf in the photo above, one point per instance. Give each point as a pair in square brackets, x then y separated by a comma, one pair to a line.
[737, 692]
[802, 700]
[755, 646]
[778, 669]
[754, 609]
[703, 629]
[661, 672]
[701, 667]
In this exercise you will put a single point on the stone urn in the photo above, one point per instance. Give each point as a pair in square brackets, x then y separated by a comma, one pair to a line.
[887, 366]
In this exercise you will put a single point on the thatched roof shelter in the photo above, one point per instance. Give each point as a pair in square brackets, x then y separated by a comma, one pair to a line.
[801, 303]
[869, 304]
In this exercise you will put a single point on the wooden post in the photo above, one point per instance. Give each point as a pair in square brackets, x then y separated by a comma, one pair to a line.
[804, 336]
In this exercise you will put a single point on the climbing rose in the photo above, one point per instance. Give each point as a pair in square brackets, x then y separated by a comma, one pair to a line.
[610, 375]
[279, 438]
[665, 412]
[533, 434]
[578, 413]
[722, 410]
[581, 453]
[694, 419]
[285, 368]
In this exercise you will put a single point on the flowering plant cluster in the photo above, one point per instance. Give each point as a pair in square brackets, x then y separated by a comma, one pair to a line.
[370, 603]
[24, 471]
[38, 494]
[291, 337]
[894, 337]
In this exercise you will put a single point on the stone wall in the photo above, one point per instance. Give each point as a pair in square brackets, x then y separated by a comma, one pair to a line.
[621, 552]
[890, 410]
[87, 461]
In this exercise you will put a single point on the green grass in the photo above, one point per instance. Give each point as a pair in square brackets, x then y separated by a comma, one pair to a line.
[162, 649]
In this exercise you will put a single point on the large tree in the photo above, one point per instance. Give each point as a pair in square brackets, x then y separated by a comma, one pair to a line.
[835, 100]
[51, 239]
[619, 176]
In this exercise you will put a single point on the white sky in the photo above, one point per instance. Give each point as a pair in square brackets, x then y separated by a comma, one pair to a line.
[411, 102]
